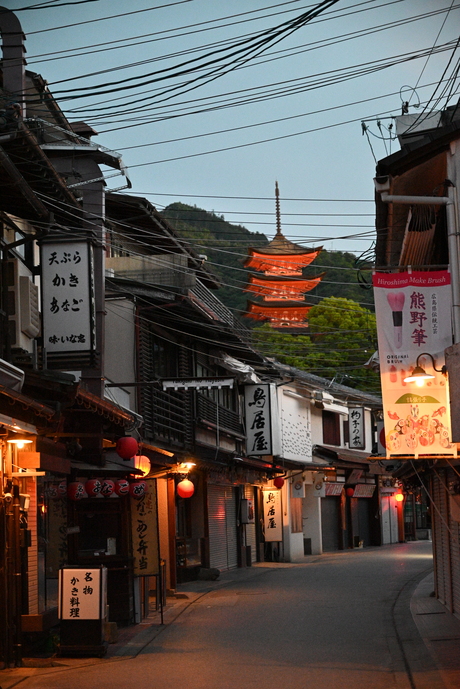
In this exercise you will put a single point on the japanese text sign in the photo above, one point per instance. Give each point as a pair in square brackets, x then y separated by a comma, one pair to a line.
[144, 532]
[258, 419]
[413, 313]
[82, 594]
[356, 437]
[273, 517]
[67, 296]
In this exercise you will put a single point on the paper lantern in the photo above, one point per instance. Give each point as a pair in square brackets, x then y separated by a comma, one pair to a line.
[122, 487]
[350, 492]
[137, 489]
[127, 447]
[107, 487]
[399, 497]
[142, 463]
[93, 487]
[185, 489]
[278, 482]
[76, 491]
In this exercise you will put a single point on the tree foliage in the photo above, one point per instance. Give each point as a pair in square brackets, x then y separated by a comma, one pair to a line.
[341, 337]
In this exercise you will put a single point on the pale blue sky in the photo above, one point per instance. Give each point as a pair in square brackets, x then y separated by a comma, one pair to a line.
[309, 156]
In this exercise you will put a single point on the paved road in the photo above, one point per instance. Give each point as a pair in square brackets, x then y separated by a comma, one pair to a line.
[326, 624]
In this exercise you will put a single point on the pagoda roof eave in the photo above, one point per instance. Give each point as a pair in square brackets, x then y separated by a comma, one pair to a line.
[292, 250]
[284, 278]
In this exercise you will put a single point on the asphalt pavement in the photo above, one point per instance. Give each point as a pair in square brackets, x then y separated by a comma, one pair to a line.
[365, 619]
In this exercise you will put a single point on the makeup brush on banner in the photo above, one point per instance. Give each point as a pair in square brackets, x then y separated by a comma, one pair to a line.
[396, 302]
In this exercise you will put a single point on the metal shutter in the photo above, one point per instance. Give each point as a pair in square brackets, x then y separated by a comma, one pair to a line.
[223, 552]
[454, 551]
[251, 528]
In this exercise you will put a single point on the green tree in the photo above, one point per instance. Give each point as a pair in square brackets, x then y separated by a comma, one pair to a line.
[341, 337]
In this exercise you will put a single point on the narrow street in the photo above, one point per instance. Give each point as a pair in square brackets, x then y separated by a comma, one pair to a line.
[340, 620]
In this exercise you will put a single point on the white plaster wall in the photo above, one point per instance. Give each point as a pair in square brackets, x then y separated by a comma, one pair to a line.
[120, 348]
[295, 426]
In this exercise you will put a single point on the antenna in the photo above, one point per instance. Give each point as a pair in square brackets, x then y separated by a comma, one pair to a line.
[278, 215]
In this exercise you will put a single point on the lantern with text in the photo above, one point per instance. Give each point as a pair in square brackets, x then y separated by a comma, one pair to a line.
[137, 489]
[127, 447]
[76, 491]
[62, 488]
[122, 487]
[278, 482]
[93, 487]
[185, 489]
[107, 488]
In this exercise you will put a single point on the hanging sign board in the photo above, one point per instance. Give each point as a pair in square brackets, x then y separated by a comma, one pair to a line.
[273, 518]
[83, 594]
[413, 313]
[67, 297]
[258, 419]
[144, 530]
[357, 440]
[197, 383]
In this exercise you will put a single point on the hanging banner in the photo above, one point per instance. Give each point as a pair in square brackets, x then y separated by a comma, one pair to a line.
[144, 532]
[258, 419]
[67, 297]
[413, 313]
[273, 517]
[357, 438]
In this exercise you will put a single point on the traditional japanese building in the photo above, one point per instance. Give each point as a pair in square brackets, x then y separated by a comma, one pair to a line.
[279, 280]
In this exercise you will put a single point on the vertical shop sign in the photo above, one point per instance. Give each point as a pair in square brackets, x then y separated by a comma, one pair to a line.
[413, 313]
[82, 594]
[56, 552]
[258, 419]
[67, 296]
[357, 440]
[144, 530]
[273, 517]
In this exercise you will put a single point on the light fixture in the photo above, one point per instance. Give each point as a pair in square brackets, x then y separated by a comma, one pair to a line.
[419, 375]
[19, 441]
[187, 465]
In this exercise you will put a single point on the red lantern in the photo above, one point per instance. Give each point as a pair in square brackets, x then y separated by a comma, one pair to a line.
[137, 489]
[93, 487]
[350, 492]
[185, 489]
[278, 482]
[127, 447]
[62, 489]
[122, 487]
[76, 491]
[107, 487]
[399, 497]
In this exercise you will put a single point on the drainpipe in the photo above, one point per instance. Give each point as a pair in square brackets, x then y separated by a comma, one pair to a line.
[382, 185]
[13, 50]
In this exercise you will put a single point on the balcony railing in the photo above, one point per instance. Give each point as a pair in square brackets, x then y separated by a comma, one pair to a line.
[209, 411]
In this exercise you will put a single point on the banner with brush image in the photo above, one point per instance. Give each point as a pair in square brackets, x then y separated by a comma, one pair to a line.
[414, 318]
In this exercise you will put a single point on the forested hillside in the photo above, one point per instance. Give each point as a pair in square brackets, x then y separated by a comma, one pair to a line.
[225, 246]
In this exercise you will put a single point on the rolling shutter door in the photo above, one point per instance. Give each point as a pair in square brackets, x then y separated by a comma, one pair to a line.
[223, 553]
[330, 523]
[251, 528]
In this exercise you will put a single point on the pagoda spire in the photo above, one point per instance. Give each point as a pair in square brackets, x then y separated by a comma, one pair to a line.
[278, 213]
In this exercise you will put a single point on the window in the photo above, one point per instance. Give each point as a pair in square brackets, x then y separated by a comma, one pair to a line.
[331, 428]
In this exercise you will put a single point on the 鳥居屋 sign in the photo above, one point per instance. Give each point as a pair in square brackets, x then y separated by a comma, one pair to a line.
[258, 419]
[413, 313]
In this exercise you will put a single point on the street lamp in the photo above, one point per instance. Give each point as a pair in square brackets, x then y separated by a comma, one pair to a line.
[419, 375]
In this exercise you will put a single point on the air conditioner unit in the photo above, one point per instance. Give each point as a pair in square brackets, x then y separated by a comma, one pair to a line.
[23, 311]
[321, 396]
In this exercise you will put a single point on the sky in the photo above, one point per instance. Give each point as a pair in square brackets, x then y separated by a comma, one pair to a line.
[198, 122]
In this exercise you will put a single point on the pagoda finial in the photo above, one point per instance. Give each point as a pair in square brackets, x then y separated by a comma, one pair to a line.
[278, 214]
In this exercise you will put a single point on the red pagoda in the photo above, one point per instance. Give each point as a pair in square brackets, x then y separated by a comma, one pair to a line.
[279, 280]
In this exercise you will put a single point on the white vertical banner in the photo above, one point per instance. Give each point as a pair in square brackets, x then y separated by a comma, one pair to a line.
[258, 419]
[356, 436]
[67, 296]
[273, 516]
[414, 319]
